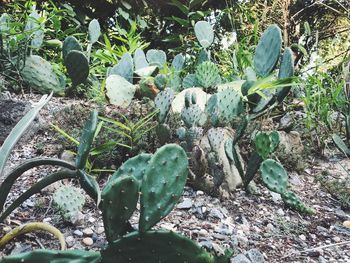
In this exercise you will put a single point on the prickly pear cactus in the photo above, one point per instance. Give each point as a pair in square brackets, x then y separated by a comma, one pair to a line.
[161, 81]
[178, 63]
[46, 256]
[268, 51]
[119, 91]
[163, 183]
[224, 107]
[155, 246]
[135, 167]
[163, 133]
[40, 76]
[77, 67]
[156, 58]
[189, 81]
[33, 24]
[293, 201]
[94, 31]
[140, 60]
[69, 44]
[262, 144]
[191, 114]
[204, 33]
[68, 199]
[120, 197]
[124, 68]
[274, 176]
[163, 103]
[286, 71]
[207, 75]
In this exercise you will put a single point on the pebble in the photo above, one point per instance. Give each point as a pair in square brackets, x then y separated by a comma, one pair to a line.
[88, 232]
[255, 256]
[199, 192]
[240, 258]
[302, 237]
[219, 236]
[216, 213]
[70, 241]
[100, 230]
[346, 224]
[6, 229]
[185, 204]
[47, 219]
[336, 239]
[88, 241]
[203, 232]
[78, 233]
[92, 220]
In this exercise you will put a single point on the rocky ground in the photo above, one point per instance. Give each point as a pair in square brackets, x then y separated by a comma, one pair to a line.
[257, 227]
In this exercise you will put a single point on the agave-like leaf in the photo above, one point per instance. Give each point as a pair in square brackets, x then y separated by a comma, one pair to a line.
[18, 131]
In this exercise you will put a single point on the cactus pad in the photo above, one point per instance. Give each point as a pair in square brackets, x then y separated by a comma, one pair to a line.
[204, 33]
[293, 201]
[69, 199]
[163, 103]
[140, 60]
[77, 66]
[207, 74]
[163, 184]
[268, 51]
[94, 31]
[156, 58]
[135, 166]
[274, 176]
[190, 81]
[69, 44]
[124, 68]
[155, 246]
[40, 76]
[120, 197]
[178, 62]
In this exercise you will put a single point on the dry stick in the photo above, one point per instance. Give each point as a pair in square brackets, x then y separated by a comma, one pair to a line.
[320, 247]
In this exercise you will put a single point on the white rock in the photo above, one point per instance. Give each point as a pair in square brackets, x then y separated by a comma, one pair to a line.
[88, 241]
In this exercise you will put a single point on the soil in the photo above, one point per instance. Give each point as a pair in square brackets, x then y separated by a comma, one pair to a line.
[245, 221]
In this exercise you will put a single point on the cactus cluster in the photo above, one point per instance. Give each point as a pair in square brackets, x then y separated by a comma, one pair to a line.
[68, 199]
[163, 104]
[207, 75]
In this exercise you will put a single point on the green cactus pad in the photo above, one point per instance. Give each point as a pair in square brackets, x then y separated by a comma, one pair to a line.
[53, 256]
[274, 176]
[77, 67]
[224, 107]
[70, 44]
[124, 68]
[163, 184]
[190, 81]
[207, 74]
[253, 165]
[163, 103]
[140, 60]
[341, 144]
[193, 135]
[203, 56]
[192, 114]
[161, 81]
[86, 140]
[204, 33]
[275, 141]
[268, 51]
[135, 166]
[262, 144]
[94, 31]
[155, 246]
[294, 202]
[68, 199]
[216, 137]
[286, 71]
[175, 83]
[156, 58]
[120, 197]
[178, 63]
[163, 133]
[40, 76]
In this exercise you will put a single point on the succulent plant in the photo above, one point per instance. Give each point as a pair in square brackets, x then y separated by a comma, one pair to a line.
[163, 103]
[189, 81]
[40, 75]
[124, 68]
[275, 178]
[77, 66]
[178, 63]
[140, 60]
[204, 33]
[70, 44]
[156, 58]
[207, 75]
[68, 199]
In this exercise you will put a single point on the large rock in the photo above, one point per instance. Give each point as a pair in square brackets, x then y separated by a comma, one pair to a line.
[291, 142]
[179, 102]
[211, 169]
